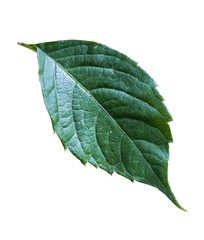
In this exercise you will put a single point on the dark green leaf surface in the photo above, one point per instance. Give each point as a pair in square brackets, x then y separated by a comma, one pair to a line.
[106, 110]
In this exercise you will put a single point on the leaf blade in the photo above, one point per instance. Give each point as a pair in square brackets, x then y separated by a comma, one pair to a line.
[100, 110]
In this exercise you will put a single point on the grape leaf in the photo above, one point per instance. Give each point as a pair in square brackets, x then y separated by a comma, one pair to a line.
[106, 110]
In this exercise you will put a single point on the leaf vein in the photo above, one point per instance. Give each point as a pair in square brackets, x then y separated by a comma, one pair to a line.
[127, 94]
[111, 69]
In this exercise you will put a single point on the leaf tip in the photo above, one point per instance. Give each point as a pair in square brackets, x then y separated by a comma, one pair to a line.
[180, 207]
[174, 200]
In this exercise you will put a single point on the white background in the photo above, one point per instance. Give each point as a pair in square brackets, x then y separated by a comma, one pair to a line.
[45, 192]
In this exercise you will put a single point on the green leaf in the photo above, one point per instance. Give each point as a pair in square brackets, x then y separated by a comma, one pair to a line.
[106, 110]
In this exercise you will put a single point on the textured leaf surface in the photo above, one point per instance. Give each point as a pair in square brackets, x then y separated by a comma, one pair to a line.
[106, 110]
